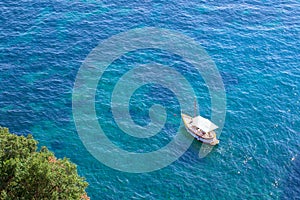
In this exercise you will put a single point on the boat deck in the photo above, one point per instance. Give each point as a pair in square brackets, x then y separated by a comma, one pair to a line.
[195, 130]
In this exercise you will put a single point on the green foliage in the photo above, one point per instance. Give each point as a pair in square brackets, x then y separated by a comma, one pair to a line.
[26, 173]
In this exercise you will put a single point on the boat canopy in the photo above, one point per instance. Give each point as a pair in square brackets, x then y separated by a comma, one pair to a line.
[204, 124]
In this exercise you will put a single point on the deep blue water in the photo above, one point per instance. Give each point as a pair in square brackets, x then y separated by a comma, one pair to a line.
[254, 44]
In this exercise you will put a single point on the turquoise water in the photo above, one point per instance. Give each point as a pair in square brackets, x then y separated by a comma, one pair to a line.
[254, 44]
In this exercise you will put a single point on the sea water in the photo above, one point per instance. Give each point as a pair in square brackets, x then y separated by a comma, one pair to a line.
[254, 45]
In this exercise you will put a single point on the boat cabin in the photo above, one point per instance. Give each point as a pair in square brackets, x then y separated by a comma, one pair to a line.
[203, 124]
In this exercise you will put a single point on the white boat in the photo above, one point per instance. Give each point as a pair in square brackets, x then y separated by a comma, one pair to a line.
[201, 128]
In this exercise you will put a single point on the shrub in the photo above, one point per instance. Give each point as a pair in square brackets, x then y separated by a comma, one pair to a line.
[26, 173]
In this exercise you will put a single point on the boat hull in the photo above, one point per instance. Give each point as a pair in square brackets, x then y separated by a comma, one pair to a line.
[211, 141]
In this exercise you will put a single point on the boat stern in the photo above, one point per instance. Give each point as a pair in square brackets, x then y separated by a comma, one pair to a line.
[214, 142]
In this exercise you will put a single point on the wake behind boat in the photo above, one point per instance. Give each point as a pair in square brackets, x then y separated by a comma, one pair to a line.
[201, 128]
